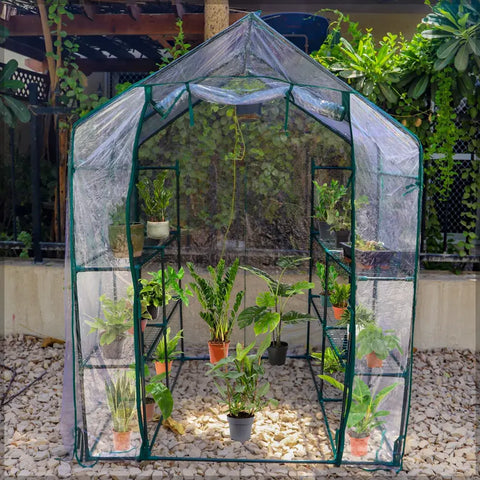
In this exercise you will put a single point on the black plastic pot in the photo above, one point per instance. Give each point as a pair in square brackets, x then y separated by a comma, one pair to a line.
[240, 427]
[369, 258]
[342, 236]
[153, 311]
[277, 355]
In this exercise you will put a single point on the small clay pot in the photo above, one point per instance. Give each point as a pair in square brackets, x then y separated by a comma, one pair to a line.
[373, 361]
[218, 350]
[338, 312]
[160, 367]
[359, 445]
[121, 441]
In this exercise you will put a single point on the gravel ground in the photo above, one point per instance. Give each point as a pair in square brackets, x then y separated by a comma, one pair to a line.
[441, 440]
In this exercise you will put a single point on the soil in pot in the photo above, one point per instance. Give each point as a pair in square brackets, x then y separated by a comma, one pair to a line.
[158, 230]
[358, 445]
[277, 355]
[241, 427]
[114, 350]
[218, 350]
[121, 441]
[160, 367]
[373, 361]
[117, 237]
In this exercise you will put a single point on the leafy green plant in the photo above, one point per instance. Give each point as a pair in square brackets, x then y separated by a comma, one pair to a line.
[340, 295]
[332, 276]
[121, 394]
[118, 318]
[368, 245]
[269, 315]
[179, 48]
[455, 29]
[26, 239]
[11, 109]
[373, 339]
[363, 317]
[117, 215]
[214, 296]
[162, 355]
[242, 391]
[364, 413]
[156, 197]
[161, 394]
[153, 293]
[331, 362]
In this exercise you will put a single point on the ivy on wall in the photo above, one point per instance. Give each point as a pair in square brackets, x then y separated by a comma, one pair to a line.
[421, 82]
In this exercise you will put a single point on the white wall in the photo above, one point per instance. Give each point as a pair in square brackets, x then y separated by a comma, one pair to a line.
[32, 302]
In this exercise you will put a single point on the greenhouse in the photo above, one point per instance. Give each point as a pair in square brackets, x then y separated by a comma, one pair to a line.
[281, 184]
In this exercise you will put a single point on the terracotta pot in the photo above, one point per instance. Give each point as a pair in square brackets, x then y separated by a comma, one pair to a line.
[338, 312]
[359, 446]
[218, 350]
[121, 441]
[373, 361]
[143, 324]
[150, 409]
[117, 237]
[160, 367]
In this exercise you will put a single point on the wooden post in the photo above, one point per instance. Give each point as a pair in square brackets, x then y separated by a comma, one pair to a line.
[216, 17]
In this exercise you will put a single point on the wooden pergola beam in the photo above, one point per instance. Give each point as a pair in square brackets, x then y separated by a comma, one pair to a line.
[114, 24]
[117, 65]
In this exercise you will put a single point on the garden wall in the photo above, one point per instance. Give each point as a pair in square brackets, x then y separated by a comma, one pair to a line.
[32, 298]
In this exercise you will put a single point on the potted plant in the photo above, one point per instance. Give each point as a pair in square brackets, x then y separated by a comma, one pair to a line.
[333, 207]
[331, 362]
[214, 296]
[364, 413]
[339, 298]
[121, 402]
[269, 314]
[375, 344]
[154, 295]
[117, 233]
[369, 253]
[161, 395]
[363, 317]
[242, 391]
[331, 281]
[163, 358]
[156, 199]
[117, 320]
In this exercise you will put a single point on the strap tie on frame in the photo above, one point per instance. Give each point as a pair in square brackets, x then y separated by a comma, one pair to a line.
[411, 187]
[190, 106]
[287, 108]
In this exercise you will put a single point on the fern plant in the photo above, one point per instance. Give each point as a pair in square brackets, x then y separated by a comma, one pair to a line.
[121, 401]
[214, 296]
[162, 355]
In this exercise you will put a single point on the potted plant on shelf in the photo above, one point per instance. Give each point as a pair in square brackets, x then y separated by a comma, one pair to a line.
[339, 298]
[333, 208]
[331, 281]
[375, 344]
[331, 362]
[156, 199]
[364, 415]
[214, 296]
[369, 253]
[269, 314]
[241, 390]
[163, 358]
[117, 233]
[121, 402]
[153, 295]
[117, 320]
[363, 317]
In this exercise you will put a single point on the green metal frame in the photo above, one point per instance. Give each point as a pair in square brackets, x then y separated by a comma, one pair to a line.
[337, 439]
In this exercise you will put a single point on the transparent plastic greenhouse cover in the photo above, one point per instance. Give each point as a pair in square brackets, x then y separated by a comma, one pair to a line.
[248, 63]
